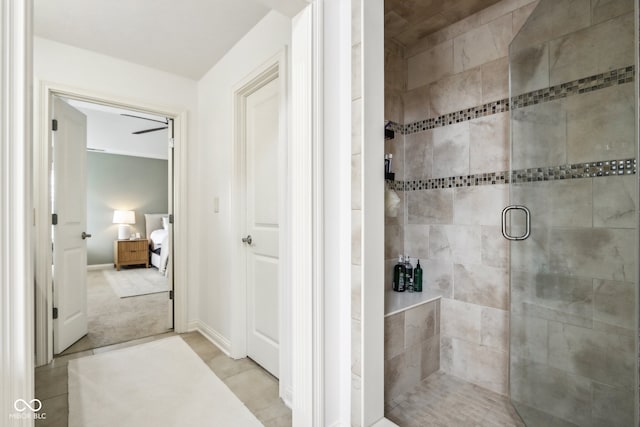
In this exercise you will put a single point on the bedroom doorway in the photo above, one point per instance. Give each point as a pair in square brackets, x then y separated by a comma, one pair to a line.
[122, 286]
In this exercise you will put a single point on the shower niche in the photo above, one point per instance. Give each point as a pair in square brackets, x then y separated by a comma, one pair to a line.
[504, 103]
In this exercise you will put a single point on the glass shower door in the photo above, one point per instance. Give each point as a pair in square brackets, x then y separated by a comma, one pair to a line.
[574, 313]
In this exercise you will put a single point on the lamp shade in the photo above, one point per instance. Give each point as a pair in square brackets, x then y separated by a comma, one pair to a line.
[124, 217]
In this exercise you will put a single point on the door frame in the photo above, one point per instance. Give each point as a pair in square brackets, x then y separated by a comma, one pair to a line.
[275, 67]
[42, 197]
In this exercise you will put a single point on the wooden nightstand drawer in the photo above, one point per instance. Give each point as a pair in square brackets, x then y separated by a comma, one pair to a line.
[131, 252]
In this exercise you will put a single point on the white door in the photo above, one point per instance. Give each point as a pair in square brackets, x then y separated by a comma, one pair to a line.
[70, 207]
[262, 137]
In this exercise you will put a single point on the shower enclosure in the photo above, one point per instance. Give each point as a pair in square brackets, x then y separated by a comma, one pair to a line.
[574, 292]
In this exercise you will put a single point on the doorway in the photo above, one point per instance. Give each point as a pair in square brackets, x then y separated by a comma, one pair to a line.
[261, 167]
[49, 296]
[110, 169]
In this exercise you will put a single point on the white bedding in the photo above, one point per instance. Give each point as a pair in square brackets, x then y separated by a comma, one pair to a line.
[156, 237]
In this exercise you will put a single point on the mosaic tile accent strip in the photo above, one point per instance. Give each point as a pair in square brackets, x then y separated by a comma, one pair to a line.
[576, 87]
[585, 85]
[569, 171]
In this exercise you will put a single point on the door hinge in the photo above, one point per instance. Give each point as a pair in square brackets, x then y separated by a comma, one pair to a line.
[170, 218]
[54, 219]
[171, 294]
[171, 143]
[55, 312]
[54, 125]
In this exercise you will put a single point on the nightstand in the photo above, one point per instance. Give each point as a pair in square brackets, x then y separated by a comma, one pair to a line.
[130, 252]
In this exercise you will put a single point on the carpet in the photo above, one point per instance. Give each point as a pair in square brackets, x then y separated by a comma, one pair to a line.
[114, 320]
[161, 384]
[137, 281]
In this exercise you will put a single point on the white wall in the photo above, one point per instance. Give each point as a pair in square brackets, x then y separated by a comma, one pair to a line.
[82, 69]
[215, 242]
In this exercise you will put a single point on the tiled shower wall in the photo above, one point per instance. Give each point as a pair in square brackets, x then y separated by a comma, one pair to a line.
[574, 300]
[356, 212]
[456, 231]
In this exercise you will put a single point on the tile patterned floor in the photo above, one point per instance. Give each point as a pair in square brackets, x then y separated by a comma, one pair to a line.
[256, 388]
[445, 401]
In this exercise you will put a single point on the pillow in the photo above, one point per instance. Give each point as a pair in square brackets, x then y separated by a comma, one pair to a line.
[165, 222]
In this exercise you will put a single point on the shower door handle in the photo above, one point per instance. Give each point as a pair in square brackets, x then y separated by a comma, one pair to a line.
[527, 215]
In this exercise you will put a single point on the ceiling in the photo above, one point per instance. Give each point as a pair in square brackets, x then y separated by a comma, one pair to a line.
[109, 131]
[185, 37]
[407, 21]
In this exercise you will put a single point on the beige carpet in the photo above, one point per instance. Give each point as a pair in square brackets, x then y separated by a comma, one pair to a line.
[160, 384]
[136, 281]
[114, 320]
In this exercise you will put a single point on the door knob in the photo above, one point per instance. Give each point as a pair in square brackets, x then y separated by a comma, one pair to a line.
[85, 235]
[247, 239]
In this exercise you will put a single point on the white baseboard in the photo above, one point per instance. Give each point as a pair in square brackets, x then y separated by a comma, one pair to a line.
[216, 338]
[287, 397]
[100, 267]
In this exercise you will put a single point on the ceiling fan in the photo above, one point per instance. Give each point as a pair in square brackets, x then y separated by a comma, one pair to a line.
[166, 124]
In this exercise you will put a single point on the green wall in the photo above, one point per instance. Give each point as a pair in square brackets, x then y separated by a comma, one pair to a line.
[121, 182]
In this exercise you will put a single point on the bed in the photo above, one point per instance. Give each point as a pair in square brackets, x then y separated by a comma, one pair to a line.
[157, 229]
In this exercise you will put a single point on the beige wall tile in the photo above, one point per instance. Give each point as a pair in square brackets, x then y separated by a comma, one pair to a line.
[552, 296]
[418, 152]
[393, 240]
[430, 65]
[430, 357]
[521, 15]
[539, 135]
[478, 364]
[494, 328]
[451, 150]
[455, 243]
[356, 126]
[601, 125]
[489, 144]
[356, 72]
[356, 292]
[495, 80]
[602, 253]
[457, 92]
[602, 10]
[394, 338]
[495, 248]
[416, 105]
[460, 320]
[482, 285]
[614, 364]
[553, 19]
[614, 303]
[529, 68]
[356, 346]
[430, 207]
[356, 22]
[356, 237]
[416, 241]
[356, 401]
[393, 106]
[419, 324]
[614, 202]
[529, 338]
[356, 181]
[562, 203]
[437, 276]
[395, 68]
[593, 50]
[502, 8]
[480, 205]
[483, 44]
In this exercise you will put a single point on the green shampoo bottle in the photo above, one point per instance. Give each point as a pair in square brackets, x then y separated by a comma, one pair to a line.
[417, 278]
